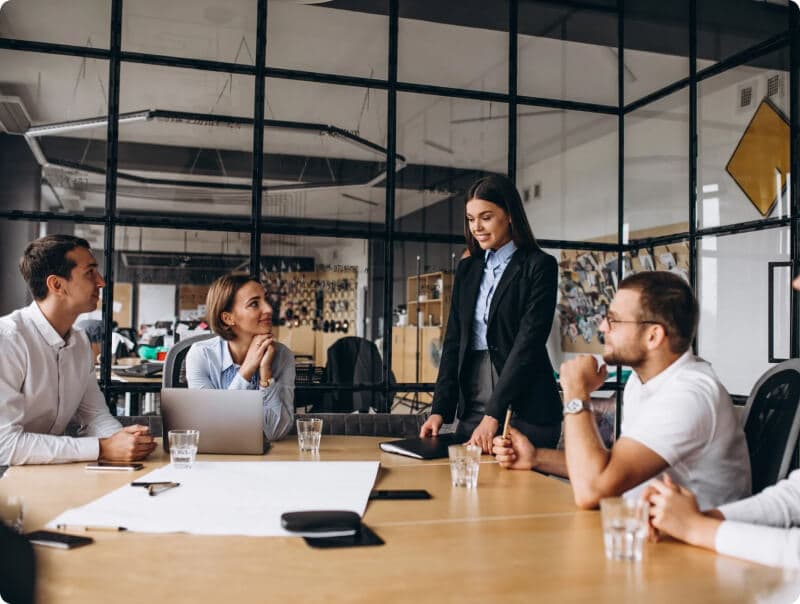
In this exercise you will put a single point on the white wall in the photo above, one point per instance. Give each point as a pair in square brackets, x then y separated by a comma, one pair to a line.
[156, 303]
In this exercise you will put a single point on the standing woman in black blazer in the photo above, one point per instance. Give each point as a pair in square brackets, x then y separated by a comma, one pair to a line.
[494, 354]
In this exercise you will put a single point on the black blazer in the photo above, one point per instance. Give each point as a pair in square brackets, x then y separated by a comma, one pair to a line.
[520, 318]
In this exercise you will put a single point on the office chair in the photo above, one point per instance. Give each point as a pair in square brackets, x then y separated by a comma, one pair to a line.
[394, 425]
[771, 423]
[353, 361]
[174, 374]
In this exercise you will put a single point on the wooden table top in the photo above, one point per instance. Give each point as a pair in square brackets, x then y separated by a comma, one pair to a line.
[518, 537]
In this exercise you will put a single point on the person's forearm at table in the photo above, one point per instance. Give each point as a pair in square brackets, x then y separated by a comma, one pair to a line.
[586, 458]
[551, 461]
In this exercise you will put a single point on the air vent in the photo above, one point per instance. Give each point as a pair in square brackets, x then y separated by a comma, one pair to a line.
[14, 119]
[190, 261]
[775, 86]
[745, 97]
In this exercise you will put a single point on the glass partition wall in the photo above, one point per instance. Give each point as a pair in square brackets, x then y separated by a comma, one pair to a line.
[326, 148]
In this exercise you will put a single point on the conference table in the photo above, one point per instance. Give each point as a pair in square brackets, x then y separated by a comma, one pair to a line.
[517, 537]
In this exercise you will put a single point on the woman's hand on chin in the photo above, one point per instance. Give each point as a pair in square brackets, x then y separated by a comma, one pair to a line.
[255, 353]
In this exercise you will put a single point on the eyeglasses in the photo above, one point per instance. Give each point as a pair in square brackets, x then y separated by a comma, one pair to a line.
[611, 322]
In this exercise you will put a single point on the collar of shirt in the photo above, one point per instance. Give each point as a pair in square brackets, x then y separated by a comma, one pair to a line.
[501, 256]
[659, 380]
[226, 360]
[43, 326]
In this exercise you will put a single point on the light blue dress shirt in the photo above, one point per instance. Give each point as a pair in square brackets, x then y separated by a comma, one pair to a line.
[493, 269]
[209, 365]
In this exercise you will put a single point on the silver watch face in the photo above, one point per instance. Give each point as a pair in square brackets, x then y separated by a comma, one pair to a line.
[574, 406]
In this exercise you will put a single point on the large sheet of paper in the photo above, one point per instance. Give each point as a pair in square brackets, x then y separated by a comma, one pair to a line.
[231, 498]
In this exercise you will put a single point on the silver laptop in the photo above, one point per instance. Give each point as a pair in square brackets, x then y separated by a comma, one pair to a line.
[229, 421]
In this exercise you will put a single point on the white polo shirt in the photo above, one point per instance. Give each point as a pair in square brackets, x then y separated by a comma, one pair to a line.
[685, 415]
[44, 383]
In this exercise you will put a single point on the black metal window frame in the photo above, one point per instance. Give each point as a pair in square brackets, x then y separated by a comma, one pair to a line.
[257, 226]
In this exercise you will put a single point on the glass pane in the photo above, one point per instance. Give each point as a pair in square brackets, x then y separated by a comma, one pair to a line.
[169, 271]
[567, 53]
[201, 29]
[567, 171]
[423, 286]
[454, 45]
[725, 27]
[350, 40]
[404, 402]
[180, 152]
[743, 129]
[656, 46]
[79, 23]
[657, 168]
[15, 235]
[447, 144]
[733, 327]
[324, 289]
[587, 283]
[324, 160]
[52, 168]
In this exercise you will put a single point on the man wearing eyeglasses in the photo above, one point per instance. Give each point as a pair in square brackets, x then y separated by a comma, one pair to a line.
[678, 417]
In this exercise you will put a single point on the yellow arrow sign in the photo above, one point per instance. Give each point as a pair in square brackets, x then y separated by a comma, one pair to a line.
[763, 148]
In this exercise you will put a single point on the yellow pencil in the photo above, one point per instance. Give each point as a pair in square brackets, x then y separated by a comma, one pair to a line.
[506, 424]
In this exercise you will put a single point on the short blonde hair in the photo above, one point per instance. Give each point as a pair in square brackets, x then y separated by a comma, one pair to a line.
[220, 299]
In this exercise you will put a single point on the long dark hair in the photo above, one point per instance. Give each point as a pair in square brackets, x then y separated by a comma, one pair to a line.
[502, 193]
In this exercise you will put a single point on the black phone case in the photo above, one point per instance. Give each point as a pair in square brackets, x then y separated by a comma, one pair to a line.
[364, 536]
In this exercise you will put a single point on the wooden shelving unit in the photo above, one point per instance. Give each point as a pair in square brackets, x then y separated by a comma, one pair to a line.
[414, 359]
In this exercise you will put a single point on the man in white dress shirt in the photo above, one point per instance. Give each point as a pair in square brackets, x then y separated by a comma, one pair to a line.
[47, 375]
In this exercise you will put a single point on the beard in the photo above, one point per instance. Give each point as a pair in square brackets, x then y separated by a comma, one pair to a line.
[624, 356]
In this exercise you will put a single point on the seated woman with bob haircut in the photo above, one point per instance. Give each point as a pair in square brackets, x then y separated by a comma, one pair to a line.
[244, 355]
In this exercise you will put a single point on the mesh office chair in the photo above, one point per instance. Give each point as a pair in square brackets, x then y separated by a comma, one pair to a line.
[396, 425]
[174, 375]
[771, 422]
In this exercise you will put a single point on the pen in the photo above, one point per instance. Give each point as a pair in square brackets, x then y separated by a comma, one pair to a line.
[71, 527]
[506, 424]
[148, 484]
[156, 488]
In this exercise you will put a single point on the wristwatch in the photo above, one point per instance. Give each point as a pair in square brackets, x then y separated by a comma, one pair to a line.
[266, 383]
[575, 406]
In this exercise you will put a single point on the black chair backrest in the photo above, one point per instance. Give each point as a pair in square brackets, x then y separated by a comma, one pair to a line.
[771, 423]
[353, 361]
[174, 375]
[395, 425]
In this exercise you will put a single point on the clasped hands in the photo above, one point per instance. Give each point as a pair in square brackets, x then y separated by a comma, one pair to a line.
[259, 357]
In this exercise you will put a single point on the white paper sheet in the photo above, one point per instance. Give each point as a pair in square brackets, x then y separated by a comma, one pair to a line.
[231, 498]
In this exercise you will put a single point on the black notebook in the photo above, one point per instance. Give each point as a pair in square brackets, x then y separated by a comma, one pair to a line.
[432, 447]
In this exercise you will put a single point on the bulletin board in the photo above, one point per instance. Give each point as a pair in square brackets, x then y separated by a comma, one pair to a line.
[589, 280]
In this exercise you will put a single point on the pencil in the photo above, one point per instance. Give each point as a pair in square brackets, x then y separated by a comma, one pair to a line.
[71, 527]
[506, 424]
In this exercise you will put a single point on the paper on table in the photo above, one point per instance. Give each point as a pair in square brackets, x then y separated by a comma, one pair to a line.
[231, 498]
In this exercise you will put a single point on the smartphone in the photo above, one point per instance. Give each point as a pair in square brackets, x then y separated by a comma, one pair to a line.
[400, 494]
[114, 465]
[59, 540]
